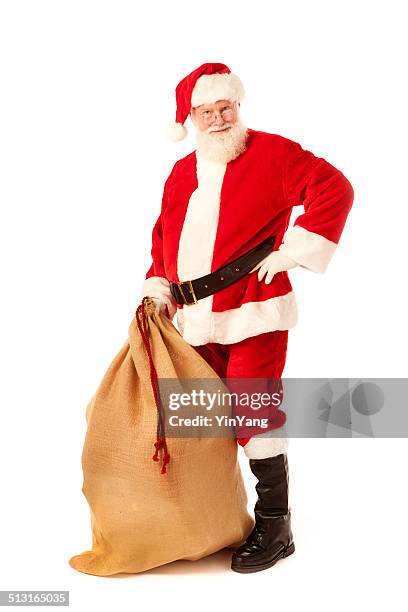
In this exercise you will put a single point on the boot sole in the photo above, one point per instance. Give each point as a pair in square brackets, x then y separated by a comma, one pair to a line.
[257, 568]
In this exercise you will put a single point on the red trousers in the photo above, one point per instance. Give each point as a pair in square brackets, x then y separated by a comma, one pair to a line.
[262, 356]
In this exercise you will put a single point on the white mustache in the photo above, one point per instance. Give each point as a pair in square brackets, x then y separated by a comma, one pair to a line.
[227, 125]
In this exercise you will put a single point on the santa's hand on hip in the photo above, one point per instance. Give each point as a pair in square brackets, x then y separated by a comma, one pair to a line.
[273, 263]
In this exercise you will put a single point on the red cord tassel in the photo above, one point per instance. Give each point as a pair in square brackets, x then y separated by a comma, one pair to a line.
[160, 443]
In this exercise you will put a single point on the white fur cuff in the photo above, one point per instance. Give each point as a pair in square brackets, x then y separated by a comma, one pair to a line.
[260, 447]
[308, 249]
[159, 287]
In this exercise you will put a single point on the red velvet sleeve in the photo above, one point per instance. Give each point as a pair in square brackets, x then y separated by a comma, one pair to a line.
[327, 197]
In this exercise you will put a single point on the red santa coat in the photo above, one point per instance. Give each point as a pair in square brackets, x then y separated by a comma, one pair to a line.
[212, 213]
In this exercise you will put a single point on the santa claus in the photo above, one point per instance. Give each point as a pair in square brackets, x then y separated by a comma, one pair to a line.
[221, 249]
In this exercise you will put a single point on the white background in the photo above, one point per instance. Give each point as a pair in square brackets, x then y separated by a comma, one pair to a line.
[87, 92]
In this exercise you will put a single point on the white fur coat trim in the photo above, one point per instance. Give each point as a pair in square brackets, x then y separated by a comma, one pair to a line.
[199, 325]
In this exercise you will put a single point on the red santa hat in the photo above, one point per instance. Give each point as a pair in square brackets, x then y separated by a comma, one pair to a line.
[205, 85]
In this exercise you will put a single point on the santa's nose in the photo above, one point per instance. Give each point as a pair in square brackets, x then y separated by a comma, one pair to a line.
[217, 118]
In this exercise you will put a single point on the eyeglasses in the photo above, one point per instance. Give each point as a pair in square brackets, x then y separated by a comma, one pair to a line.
[226, 113]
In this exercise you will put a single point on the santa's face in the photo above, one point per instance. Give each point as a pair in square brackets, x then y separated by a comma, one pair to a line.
[221, 135]
[215, 118]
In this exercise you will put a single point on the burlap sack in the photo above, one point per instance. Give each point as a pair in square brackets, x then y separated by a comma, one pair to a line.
[140, 517]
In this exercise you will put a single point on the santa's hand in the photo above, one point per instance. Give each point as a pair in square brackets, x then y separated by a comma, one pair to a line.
[161, 304]
[273, 263]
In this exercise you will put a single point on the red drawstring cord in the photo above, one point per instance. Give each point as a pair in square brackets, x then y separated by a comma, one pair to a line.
[161, 443]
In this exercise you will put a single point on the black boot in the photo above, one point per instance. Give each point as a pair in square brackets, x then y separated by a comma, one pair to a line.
[271, 538]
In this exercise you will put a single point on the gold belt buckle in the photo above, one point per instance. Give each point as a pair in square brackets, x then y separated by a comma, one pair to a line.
[191, 291]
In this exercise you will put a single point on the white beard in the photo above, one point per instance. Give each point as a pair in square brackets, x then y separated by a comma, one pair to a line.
[224, 146]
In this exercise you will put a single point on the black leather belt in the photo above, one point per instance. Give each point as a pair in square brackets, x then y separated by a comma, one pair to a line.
[189, 292]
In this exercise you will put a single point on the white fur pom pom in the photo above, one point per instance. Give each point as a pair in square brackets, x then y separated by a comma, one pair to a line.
[176, 132]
